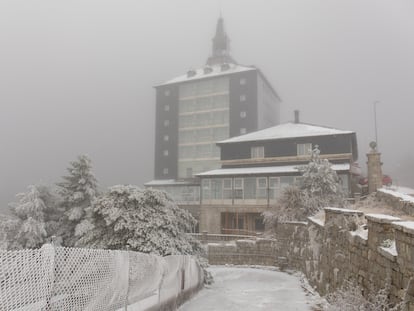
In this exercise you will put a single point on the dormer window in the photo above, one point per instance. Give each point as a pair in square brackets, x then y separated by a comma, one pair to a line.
[225, 67]
[257, 152]
[304, 149]
[208, 70]
[191, 73]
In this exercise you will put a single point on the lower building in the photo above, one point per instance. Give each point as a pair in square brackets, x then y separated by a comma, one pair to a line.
[255, 168]
[233, 199]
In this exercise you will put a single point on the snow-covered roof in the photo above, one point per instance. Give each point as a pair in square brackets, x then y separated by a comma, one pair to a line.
[168, 182]
[265, 170]
[286, 130]
[216, 70]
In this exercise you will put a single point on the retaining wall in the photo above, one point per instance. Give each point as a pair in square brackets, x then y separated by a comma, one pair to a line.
[398, 201]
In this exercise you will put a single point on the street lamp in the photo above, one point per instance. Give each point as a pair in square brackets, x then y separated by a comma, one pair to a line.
[375, 121]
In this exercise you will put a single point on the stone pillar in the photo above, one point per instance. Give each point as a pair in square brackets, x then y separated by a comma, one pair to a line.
[404, 240]
[374, 170]
[380, 229]
[342, 218]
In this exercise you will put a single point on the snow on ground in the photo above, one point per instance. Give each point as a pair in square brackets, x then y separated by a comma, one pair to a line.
[250, 289]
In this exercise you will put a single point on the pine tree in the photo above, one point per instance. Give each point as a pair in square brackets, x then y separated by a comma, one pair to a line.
[28, 228]
[143, 220]
[78, 191]
[35, 219]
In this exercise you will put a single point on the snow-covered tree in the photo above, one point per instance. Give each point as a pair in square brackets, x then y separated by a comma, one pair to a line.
[78, 191]
[34, 219]
[319, 187]
[320, 181]
[142, 220]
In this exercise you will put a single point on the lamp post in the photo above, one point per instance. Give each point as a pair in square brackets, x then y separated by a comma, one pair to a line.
[375, 121]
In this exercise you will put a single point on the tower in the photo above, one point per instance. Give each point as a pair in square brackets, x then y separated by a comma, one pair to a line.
[221, 46]
[222, 99]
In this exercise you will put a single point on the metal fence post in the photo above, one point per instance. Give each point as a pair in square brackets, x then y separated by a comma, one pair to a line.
[45, 247]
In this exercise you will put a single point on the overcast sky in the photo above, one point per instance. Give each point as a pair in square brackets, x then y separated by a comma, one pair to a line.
[77, 77]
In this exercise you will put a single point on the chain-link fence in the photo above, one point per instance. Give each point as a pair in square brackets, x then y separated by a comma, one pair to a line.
[60, 278]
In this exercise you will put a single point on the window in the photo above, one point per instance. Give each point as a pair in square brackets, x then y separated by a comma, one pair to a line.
[206, 189]
[257, 152]
[274, 182]
[242, 114]
[259, 224]
[242, 81]
[189, 172]
[167, 92]
[167, 108]
[261, 185]
[165, 152]
[304, 149]
[249, 188]
[243, 98]
[166, 123]
[298, 180]
[238, 188]
[274, 187]
[165, 171]
[243, 130]
[286, 181]
[166, 138]
[227, 188]
[216, 188]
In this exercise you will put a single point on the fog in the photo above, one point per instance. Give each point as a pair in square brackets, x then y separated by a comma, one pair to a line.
[77, 77]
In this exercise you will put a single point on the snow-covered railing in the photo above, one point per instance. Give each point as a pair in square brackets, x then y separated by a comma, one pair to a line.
[212, 237]
[59, 278]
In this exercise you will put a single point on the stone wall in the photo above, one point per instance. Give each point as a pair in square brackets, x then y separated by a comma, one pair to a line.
[244, 252]
[375, 251]
[397, 201]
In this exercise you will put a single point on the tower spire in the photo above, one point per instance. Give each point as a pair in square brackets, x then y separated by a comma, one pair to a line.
[221, 46]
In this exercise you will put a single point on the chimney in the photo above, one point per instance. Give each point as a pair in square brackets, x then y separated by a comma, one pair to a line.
[296, 116]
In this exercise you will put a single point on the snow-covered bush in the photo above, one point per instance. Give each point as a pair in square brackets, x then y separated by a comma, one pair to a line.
[78, 191]
[319, 187]
[350, 298]
[146, 220]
